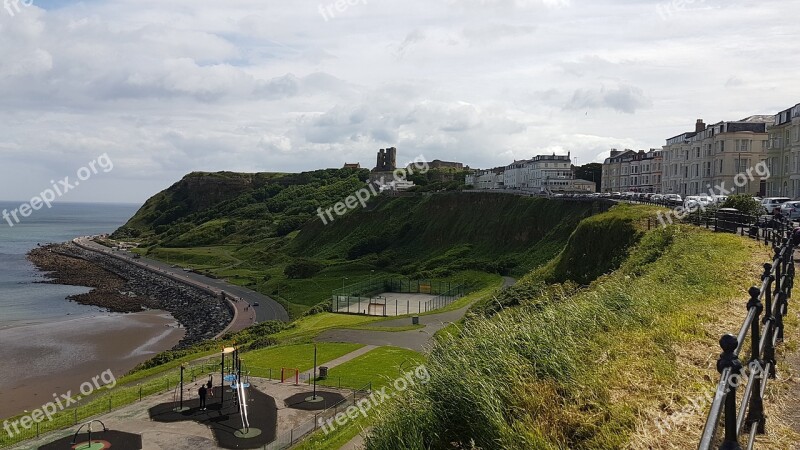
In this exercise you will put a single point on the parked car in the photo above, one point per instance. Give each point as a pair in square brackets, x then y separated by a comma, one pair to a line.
[657, 197]
[791, 209]
[718, 199]
[673, 198]
[696, 201]
[616, 195]
[773, 204]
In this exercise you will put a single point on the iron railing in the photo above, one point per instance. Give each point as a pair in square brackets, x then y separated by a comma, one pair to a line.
[771, 299]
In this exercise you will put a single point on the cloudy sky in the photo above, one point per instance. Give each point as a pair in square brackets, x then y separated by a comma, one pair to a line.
[169, 87]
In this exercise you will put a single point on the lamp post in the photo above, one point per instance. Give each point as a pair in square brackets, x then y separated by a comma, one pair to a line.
[180, 407]
[315, 372]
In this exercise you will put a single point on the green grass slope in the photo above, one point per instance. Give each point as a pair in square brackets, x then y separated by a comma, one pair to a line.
[262, 231]
[583, 367]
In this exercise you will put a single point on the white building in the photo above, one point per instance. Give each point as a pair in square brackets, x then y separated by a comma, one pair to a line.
[540, 174]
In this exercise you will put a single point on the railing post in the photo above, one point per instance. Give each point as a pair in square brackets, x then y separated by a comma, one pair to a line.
[769, 321]
[755, 412]
[728, 360]
[780, 308]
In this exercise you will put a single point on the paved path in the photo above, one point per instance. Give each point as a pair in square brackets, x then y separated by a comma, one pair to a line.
[246, 315]
[352, 355]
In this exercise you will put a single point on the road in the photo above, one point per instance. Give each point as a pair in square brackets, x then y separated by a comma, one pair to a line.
[268, 308]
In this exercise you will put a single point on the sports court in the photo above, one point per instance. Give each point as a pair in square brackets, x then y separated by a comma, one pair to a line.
[389, 297]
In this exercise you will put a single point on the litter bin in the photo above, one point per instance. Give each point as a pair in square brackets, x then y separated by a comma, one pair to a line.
[728, 220]
[323, 372]
[414, 320]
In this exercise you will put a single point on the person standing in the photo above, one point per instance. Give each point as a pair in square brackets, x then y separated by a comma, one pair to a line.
[210, 386]
[202, 392]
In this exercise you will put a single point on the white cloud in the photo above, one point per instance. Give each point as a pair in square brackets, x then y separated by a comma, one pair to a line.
[170, 87]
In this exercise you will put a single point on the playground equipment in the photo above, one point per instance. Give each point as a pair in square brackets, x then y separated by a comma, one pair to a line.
[177, 394]
[284, 371]
[89, 445]
[239, 380]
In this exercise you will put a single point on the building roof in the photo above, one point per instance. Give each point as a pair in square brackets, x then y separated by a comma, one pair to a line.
[763, 118]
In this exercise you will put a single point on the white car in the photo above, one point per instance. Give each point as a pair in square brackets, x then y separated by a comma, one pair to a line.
[696, 201]
[719, 199]
[791, 209]
[773, 204]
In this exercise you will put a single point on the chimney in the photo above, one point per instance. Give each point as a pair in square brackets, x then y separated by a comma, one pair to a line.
[615, 152]
[700, 126]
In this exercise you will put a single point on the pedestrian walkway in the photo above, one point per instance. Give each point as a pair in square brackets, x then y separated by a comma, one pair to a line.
[350, 356]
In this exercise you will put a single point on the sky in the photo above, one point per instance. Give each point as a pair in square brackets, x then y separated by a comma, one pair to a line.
[164, 88]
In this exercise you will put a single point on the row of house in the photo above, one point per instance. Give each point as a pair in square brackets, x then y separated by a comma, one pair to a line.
[540, 174]
[723, 154]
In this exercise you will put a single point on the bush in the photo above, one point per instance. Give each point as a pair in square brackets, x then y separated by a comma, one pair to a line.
[745, 204]
[325, 306]
[262, 342]
[290, 224]
[302, 268]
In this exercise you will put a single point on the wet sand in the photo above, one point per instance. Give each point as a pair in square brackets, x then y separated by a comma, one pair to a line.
[40, 360]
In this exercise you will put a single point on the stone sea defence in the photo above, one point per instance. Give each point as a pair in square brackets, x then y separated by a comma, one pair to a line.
[120, 286]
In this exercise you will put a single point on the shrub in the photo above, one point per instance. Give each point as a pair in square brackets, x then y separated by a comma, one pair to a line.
[302, 268]
[262, 342]
[745, 204]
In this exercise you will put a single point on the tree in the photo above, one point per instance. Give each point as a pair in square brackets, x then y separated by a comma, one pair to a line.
[590, 172]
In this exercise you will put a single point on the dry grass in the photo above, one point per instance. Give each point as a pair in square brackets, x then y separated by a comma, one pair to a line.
[678, 422]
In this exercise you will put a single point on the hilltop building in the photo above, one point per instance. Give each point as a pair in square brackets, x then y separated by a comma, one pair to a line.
[711, 155]
[387, 160]
[438, 164]
[783, 154]
[632, 171]
[540, 174]
[352, 165]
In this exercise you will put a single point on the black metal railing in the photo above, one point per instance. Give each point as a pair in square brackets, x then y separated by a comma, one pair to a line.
[770, 300]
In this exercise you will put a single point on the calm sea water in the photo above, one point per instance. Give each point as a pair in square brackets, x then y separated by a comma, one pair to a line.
[24, 301]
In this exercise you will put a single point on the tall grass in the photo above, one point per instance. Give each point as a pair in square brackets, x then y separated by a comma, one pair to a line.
[572, 368]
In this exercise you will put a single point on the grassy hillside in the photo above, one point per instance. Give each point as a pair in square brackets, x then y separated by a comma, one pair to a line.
[585, 367]
[262, 231]
[440, 234]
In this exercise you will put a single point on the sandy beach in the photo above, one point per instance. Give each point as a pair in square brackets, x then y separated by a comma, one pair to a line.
[52, 358]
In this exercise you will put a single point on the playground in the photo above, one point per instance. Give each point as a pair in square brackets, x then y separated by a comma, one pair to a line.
[241, 412]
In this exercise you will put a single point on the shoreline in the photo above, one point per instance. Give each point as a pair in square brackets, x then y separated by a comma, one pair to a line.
[121, 286]
[56, 357]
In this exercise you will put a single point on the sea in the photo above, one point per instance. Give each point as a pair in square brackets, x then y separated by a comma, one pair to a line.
[24, 300]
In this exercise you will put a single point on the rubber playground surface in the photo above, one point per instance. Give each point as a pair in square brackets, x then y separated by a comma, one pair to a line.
[325, 400]
[100, 440]
[226, 423]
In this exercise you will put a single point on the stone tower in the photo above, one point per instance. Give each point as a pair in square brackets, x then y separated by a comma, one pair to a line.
[387, 160]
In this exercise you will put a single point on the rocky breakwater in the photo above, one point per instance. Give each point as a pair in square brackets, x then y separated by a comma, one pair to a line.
[120, 286]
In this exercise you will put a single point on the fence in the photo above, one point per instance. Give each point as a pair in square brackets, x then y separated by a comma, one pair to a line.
[287, 439]
[362, 297]
[748, 417]
[95, 406]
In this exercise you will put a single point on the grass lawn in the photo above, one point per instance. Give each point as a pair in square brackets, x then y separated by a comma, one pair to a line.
[308, 327]
[300, 356]
[380, 366]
